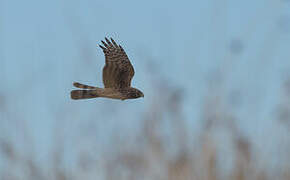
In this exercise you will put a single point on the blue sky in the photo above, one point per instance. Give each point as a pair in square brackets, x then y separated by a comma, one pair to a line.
[46, 45]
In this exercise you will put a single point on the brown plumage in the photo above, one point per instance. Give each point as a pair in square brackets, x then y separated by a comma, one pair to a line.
[117, 75]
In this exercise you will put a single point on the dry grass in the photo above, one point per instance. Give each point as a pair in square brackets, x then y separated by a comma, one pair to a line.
[199, 160]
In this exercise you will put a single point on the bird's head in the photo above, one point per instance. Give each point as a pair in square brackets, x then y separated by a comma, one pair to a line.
[134, 93]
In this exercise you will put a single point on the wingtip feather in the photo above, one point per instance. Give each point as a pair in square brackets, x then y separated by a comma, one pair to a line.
[115, 44]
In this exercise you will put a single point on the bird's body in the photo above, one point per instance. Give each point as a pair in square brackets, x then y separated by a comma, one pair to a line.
[94, 92]
[117, 75]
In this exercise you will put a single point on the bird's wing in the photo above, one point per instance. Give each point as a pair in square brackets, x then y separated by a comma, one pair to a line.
[118, 71]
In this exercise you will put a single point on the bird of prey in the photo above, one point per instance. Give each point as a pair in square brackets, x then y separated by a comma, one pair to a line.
[117, 75]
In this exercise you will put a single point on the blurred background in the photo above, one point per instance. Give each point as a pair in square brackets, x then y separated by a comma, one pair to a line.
[215, 74]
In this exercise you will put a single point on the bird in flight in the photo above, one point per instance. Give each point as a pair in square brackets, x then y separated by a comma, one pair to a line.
[117, 75]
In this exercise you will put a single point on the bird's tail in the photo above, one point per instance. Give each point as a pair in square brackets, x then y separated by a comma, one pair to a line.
[83, 86]
[83, 94]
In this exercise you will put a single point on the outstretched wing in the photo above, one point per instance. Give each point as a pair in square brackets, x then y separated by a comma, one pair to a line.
[118, 71]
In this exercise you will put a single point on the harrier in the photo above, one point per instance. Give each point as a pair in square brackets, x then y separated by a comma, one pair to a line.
[117, 75]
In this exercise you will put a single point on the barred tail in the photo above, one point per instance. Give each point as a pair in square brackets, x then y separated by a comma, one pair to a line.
[83, 94]
[83, 86]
